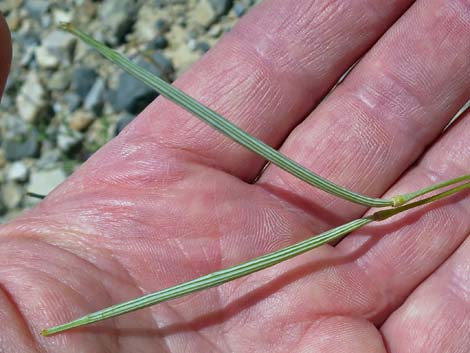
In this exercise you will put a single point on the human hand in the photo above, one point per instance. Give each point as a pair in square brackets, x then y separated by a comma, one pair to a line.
[170, 199]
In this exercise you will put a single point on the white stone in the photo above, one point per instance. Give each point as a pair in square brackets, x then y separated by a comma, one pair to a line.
[12, 194]
[30, 101]
[18, 171]
[44, 181]
[59, 40]
[203, 14]
[45, 59]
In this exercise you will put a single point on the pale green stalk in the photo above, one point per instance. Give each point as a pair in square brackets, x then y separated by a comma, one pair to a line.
[215, 278]
[243, 269]
[224, 126]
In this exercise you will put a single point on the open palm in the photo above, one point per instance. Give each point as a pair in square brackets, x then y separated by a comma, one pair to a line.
[170, 199]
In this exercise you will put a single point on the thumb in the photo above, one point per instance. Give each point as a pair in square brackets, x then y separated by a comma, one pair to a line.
[5, 52]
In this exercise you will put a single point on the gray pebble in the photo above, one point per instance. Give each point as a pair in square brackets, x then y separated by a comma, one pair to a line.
[203, 46]
[72, 101]
[94, 100]
[48, 159]
[118, 17]
[44, 181]
[159, 42]
[221, 7]
[83, 80]
[239, 9]
[37, 8]
[68, 142]
[133, 96]
[16, 149]
[162, 25]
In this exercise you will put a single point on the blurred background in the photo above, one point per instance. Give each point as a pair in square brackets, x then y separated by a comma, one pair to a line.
[62, 101]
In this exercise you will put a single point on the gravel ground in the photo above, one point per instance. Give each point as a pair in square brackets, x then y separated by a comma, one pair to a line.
[62, 101]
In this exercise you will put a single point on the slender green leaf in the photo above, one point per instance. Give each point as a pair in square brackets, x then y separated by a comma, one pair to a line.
[215, 278]
[224, 126]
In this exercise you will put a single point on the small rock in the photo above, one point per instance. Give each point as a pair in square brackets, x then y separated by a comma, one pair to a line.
[37, 8]
[159, 42]
[125, 119]
[239, 9]
[83, 80]
[62, 16]
[215, 31]
[192, 44]
[72, 101]
[68, 141]
[162, 25]
[16, 149]
[31, 101]
[132, 95]
[48, 159]
[204, 13]
[164, 65]
[45, 59]
[221, 7]
[59, 81]
[27, 56]
[118, 17]
[18, 171]
[203, 47]
[60, 44]
[44, 181]
[7, 6]
[12, 195]
[46, 21]
[94, 100]
[80, 120]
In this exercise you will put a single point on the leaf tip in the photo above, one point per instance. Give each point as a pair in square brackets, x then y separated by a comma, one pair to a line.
[66, 26]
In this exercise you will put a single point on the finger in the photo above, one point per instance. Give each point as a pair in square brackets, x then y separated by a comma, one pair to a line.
[415, 244]
[436, 317]
[337, 334]
[392, 105]
[5, 53]
[266, 75]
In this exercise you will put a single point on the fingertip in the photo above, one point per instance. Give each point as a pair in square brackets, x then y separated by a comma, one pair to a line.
[5, 52]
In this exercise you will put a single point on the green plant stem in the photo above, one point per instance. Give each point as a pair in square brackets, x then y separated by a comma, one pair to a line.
[224, 126]
[215, 278]
[243, 269]
[384, 214]
[403, 199]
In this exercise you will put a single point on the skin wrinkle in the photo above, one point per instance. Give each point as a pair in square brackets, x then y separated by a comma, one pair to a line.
[432, 306]
[32, 343]
[43, 273]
